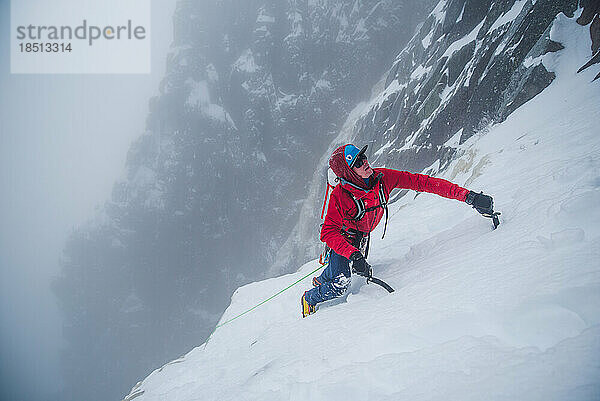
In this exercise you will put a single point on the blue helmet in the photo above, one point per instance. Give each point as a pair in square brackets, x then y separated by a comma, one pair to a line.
[351, 153]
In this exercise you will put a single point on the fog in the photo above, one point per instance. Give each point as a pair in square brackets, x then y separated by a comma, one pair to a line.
[63, 143]
[216, 173]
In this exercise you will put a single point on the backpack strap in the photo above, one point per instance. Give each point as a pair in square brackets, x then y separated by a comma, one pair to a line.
[325, 201]
[360, 205]
[383, 203]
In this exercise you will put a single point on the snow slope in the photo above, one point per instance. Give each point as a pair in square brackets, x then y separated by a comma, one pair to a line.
[510, 314]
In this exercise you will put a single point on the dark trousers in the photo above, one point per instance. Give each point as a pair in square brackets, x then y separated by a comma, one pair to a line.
[334, 281]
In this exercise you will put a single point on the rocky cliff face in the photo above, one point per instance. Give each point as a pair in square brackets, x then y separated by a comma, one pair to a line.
[254, 91]
[591, 16]
[470, 64]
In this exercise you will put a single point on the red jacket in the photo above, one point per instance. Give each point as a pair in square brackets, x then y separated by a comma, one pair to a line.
[342, 209]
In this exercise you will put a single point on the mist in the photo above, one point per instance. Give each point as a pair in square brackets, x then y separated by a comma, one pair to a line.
[144, 217]
[63, 144]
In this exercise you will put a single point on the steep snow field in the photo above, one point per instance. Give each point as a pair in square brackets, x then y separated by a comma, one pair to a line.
[478, 314]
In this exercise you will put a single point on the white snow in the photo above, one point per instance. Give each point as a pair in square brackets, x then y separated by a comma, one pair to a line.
[419, 72]
[439, 12]
[408, 142]
[211, 73]
[462, 12]
[343, 21]
[382, 149]
[393, 88]
[198, 94]
[360, 28]
[433, 168]
[199, 98]
[155, 198]
[323, 84]
[263, 18]
[446, 93]
[530, 61]
[454, 140]
[246, 62]
[296, 21]
[478, 314]
[261, 156]
[510, 15]
[460, 43]
[426, 41]
[502, 49]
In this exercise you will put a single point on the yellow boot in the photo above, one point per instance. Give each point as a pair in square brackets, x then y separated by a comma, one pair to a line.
[307, 309]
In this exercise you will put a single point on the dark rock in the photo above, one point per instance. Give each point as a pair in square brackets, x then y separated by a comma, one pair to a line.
[552, 47]
[592, 61]
[536, 81]
[486, 76]
[591, 8]
[591, 14]
[459, 59]
[595, 33]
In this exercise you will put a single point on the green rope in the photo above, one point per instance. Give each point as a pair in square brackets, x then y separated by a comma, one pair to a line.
[261, 303]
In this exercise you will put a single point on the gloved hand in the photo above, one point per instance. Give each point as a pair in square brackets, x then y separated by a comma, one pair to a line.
[360, 265]
[484, 204]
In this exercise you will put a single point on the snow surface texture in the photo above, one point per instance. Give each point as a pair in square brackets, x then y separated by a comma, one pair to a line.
[510, 314]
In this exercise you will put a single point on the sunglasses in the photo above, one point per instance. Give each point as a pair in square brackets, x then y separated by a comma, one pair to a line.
[360, 160]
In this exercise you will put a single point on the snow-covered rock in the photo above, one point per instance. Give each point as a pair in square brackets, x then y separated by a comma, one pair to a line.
[483, 60]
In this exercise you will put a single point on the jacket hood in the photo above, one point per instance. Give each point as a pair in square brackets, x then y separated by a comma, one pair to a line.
[340, 167]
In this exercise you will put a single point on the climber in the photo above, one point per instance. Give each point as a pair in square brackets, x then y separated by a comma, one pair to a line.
[356, 205]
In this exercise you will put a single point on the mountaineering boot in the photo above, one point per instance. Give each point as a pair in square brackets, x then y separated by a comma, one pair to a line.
[316, 282]
[307, 309]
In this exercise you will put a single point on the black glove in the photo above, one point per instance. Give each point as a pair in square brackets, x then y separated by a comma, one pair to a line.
[484, 204]
[360, 265]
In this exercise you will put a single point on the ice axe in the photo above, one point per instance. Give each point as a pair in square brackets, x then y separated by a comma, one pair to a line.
[494, 217]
